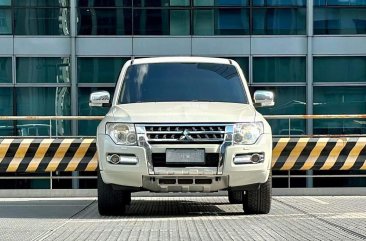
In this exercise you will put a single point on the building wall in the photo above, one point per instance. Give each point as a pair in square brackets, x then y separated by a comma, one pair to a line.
[53, 54]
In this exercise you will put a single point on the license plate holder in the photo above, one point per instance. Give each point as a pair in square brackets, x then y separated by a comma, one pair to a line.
[185, 156]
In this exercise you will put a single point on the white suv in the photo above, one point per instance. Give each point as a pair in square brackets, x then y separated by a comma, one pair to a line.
[183, 124]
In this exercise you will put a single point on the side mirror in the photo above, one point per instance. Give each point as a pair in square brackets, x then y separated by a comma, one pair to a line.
[263, 98]
[100, 99]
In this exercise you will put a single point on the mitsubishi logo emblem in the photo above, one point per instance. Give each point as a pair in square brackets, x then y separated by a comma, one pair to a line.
[185, 136]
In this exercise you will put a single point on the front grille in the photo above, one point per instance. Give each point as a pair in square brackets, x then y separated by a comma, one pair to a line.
[185, 134]
[159, 160]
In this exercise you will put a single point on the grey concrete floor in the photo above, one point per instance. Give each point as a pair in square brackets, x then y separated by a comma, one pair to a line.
[184, 218]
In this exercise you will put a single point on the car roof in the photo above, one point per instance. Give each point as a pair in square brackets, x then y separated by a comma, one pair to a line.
[183, 59]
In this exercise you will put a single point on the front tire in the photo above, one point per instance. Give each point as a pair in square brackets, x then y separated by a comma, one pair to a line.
[111, 202]
[259, 201]
[235, 197]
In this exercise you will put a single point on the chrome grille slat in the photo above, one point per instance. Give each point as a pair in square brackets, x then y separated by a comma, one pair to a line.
[185, 133]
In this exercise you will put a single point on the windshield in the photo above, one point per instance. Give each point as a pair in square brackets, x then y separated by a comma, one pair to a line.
[168, 82]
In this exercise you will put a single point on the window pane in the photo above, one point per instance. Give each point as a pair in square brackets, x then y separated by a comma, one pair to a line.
[5, 2]
[6, 109]
[288, 101]
[99, 70]
[340, 69]
[279, 2]
[221, 22]
[339, 100]
[5, 71]
[41, 21]
[89, 127]
[161, 22]
[339, 21]
[104, 3]
[5, 21]
[113, 21]
[160, 3]
[203, 22]
[43, 70]
[43, 101]
[232, 21]
[279, 21]
[339, 2]
[279, 69]
[41, 3]
[180, 22]
[179, 2]
[200, 3]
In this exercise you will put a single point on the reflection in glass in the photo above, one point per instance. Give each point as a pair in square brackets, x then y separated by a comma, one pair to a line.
[89, 127]
[279, 69]
[100, 21]
[339, 20]
[279, 2]
[6, 109]
[202, 3]
[288, 101]
[43, 70]
[339, 2]
[41, 3]
[48, 101]
[161, 22]
[221, 22]
[5, 71]
[279, 21]
[42, 21]
[339, 100]
[5, 21]
[104, 3]
[99, 70]
[340, 69]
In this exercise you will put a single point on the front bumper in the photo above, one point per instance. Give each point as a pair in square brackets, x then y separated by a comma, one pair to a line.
[193, 179]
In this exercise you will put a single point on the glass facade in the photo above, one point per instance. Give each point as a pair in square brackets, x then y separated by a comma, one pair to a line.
[340, 17]
[268, 38]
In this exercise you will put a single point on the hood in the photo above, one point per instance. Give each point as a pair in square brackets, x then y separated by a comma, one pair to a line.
[183, 112]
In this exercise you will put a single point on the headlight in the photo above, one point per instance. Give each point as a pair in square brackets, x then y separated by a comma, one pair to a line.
[122, 134]
[247, 133]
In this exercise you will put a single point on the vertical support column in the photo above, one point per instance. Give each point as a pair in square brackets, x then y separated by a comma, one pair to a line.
[74, 89]
[309, 77]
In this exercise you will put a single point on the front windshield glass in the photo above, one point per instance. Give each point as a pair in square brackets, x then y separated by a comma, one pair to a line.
[168, 82]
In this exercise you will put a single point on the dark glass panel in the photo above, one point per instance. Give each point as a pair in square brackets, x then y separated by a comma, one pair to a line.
[43, 70]
[5, 70]
[279, 69]
[279, 2]
[6, 109]
[271, 21]
[99, 21]
[41, 21]
[41, 3]
[339, 20]
[339, 100]
[99, 70]
[5, 21]
[228, 21]
[104, 3]
[340, 69]
[47, 101]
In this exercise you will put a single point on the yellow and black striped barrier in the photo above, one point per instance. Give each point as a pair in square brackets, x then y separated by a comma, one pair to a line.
[48, 155]
[79, 154]
[342, 153]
